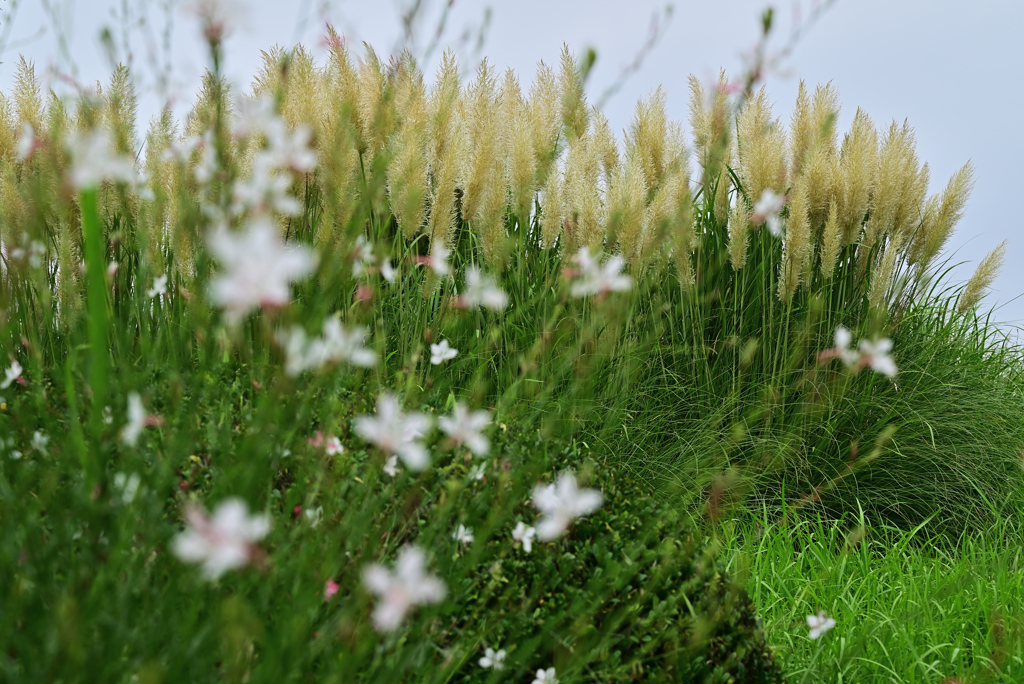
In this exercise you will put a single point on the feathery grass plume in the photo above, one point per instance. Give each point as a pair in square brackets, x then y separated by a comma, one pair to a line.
[761, 148]
[121, 109]
[407, 174]
[10, 130]
[69, 287]
[304, 99]
[545, 121]
[858, 162]
[831, 241]
[605, 146]
[627, 205]
[712, 144]
[574, 110]
[797, 248]
[647, 136]
[941, 217]
[583, 205]
[446, 148]
[813, 147]
[885, 287]
[909, 212]
[722, 185]
[980, 283]
[739, 230]
[374, 113]
[163, 182]
[552, 212]
[483, 160]
[897, 169]
[407, 167]
[13, 211]
[520, 162]
[341, 142]
[670, 211]
[28, 100]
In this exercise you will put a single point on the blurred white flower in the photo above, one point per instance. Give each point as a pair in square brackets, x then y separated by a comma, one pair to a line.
[333, 446]
[314, 515]
[391, 466]
[493, 659]
[387, 271]
[224, 542]
[465, 428]
[159, 288]
[561, 503]
[395, 432]
[481, 290]
[136, 420]
[767, 209]
[262, 190]
[524, 535]
[463, 535]
[545, 677]
[127, 485]
[181, 150]
[11, 374]
[478, 471]
[27, 141]
[876, 355]
[347, 345]
[39, 441]
[441, 352]
[93, 161]
[819, 624]
[218, 17]
[399, 590]
[258, 268]
[593, 278]
[438, 259]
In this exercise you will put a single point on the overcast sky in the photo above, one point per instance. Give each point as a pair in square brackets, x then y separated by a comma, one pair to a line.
[953, 68]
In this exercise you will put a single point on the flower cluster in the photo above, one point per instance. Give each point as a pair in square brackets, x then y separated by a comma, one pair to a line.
[869, 354]
[336, 345]
[594, 278]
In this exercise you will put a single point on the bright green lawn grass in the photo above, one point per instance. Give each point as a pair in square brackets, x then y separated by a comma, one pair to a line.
[907, 609]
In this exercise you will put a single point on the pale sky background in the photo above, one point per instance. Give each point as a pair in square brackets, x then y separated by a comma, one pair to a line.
[953, 68]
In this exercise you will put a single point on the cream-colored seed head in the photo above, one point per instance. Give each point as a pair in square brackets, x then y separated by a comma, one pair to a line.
[897, 170]
[552, 211]
[739, 231]
[584, 203]
[761, 148]
[520, 162]
[647, 136]
[626, 210]
[831, 241]
[574, 99]
[941, 220]
[982, 280]
[858, 165]
[482, 164]
[545, 120]
[28, 101]
[797, 249]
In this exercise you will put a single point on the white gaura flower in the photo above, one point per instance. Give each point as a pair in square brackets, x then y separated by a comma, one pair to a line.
[873, 354]
[387, 271]
[265, 189]
[524, 535]
[481, 290]
[438, 259]
[93, 161]
[399, 590]
[465, 427]
[221, 543]
[136, 420]
[493, 659]
[391, 467]
[478, 471]
[27, 141]
[463, 535]
[819, 624]
[561, 503]
[11, 374]
[347, 345]
[218, 17]
[40, 441]
[545, 677]
[258, 268]
[593, 278]
[395, 432]
[290, 150]
[876, 355]
[333, 446]
[314, 515]
[766, 211]
[159, 288]
[127, 485]
[441, 352]
[300, 352]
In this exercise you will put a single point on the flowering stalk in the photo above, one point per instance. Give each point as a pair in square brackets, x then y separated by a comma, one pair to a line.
[96, 287]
